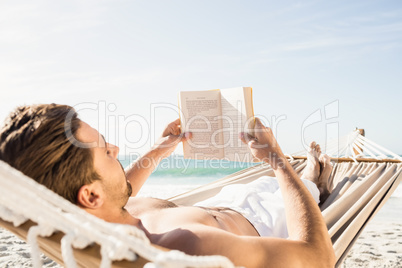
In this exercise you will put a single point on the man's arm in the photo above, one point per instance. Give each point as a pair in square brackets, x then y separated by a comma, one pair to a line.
[140, 170]
[246, 251]
[305, 223]
[308, 245]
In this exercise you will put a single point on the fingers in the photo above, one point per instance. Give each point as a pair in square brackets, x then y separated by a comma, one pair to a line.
[246, 138]
[258, 123]
[173, 140]
[186, 136]
[181, 137]
[176, 122]
[173, 128]
[261, 132]
[258, 129]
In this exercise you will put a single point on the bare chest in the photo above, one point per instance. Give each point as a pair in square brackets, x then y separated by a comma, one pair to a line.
[160, 216]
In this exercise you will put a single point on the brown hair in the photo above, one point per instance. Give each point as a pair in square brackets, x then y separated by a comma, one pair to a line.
[36, 140]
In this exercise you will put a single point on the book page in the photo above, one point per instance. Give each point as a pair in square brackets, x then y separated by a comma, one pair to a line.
[200, 114]
[237, 116]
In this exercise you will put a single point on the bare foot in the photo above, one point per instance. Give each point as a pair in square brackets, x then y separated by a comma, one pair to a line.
[312, 170]
[326, 169]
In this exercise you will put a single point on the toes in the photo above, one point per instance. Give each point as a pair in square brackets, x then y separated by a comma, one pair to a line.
[325, 159]
[312, 146]
[318, 149]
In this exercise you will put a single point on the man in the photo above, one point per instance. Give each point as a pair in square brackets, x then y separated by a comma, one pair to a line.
[41, 141]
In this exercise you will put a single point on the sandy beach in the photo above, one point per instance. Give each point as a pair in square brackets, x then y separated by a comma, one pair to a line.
[380, 244]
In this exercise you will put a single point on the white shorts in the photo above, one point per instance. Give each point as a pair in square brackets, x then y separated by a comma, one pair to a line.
[260, 202]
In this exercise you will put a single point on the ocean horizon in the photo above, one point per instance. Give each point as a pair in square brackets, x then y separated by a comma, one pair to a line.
[175, 175]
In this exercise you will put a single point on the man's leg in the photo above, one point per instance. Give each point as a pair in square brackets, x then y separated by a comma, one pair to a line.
[326, 169]
[312, 170]
[318, 170]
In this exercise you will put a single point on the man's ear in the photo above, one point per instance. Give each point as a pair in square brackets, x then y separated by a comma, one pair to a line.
[91, 195]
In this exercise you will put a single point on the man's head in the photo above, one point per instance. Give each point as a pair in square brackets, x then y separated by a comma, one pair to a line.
[41, 143]
[113, 190]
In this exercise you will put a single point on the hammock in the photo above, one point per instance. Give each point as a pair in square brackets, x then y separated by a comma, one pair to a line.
[363, 178]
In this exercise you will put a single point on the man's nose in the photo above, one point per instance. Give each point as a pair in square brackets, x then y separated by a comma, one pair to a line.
[114, 150]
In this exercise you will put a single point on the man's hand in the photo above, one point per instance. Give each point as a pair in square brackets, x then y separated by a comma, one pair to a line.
[170, 138]
[139, 171]
[263, 145]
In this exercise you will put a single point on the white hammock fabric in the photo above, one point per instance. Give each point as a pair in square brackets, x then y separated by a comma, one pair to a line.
[359, 191]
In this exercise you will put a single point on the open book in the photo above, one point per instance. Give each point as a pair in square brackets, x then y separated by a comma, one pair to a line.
[215, 118]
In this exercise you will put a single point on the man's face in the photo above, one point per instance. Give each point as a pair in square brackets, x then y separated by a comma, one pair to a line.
[116, 187]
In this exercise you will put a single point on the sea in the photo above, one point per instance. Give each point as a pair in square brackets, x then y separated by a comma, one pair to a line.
[175, 175]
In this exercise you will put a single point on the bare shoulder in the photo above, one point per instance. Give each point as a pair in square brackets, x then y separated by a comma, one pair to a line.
[137, 205]
[247, 251]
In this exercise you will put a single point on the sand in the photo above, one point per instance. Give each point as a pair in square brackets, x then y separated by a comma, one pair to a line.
[380, 244]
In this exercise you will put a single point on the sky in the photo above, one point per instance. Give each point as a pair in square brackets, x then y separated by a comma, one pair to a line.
[121, 64]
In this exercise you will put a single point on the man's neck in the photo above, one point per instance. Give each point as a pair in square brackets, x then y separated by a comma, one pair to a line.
[115, 216]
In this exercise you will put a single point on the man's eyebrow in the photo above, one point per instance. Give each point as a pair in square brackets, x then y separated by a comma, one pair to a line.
[104, 141]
